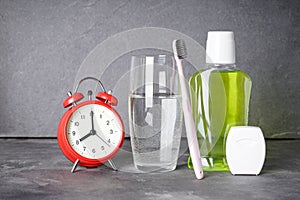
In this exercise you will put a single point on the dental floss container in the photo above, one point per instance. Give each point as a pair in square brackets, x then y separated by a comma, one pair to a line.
[245, 150]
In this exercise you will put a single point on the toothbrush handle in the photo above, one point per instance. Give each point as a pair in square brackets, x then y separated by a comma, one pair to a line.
[189, 124]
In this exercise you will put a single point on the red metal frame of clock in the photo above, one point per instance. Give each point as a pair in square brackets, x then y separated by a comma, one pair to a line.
[65, 146]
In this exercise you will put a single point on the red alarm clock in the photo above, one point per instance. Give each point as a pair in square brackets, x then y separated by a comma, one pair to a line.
[90, 133]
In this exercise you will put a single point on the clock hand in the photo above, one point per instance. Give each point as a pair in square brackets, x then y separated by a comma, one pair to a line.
[93, 131]
[92, 118]
[86, 136]
[102, 140]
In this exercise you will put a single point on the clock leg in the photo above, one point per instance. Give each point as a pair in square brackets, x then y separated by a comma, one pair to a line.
[74, 166]
[112, 164]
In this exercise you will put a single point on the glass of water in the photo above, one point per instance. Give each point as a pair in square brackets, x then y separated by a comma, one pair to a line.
[155, 113]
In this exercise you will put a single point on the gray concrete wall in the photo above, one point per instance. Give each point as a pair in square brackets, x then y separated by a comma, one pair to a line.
[43, 43]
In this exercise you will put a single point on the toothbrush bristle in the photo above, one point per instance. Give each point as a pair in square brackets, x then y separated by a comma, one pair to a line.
[181, 49]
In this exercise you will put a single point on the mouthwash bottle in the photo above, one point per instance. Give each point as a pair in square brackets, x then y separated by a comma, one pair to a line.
[220, 97]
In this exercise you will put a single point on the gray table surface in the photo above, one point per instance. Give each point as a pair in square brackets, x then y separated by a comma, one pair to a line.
[36, 169]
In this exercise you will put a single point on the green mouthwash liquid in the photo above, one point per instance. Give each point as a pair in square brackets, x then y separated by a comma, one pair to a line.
[220, 99]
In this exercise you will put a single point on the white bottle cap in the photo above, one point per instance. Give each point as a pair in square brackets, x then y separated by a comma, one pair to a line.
[220, 47]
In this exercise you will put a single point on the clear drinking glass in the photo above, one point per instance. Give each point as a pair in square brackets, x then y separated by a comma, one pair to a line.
[155, 113]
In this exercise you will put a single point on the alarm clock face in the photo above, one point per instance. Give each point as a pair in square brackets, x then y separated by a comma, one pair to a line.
[94, 131]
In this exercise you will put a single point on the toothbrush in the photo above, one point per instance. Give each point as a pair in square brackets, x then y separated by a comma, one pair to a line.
[180, 53]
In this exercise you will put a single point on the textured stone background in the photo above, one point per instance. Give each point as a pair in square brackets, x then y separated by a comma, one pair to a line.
[43, 43]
